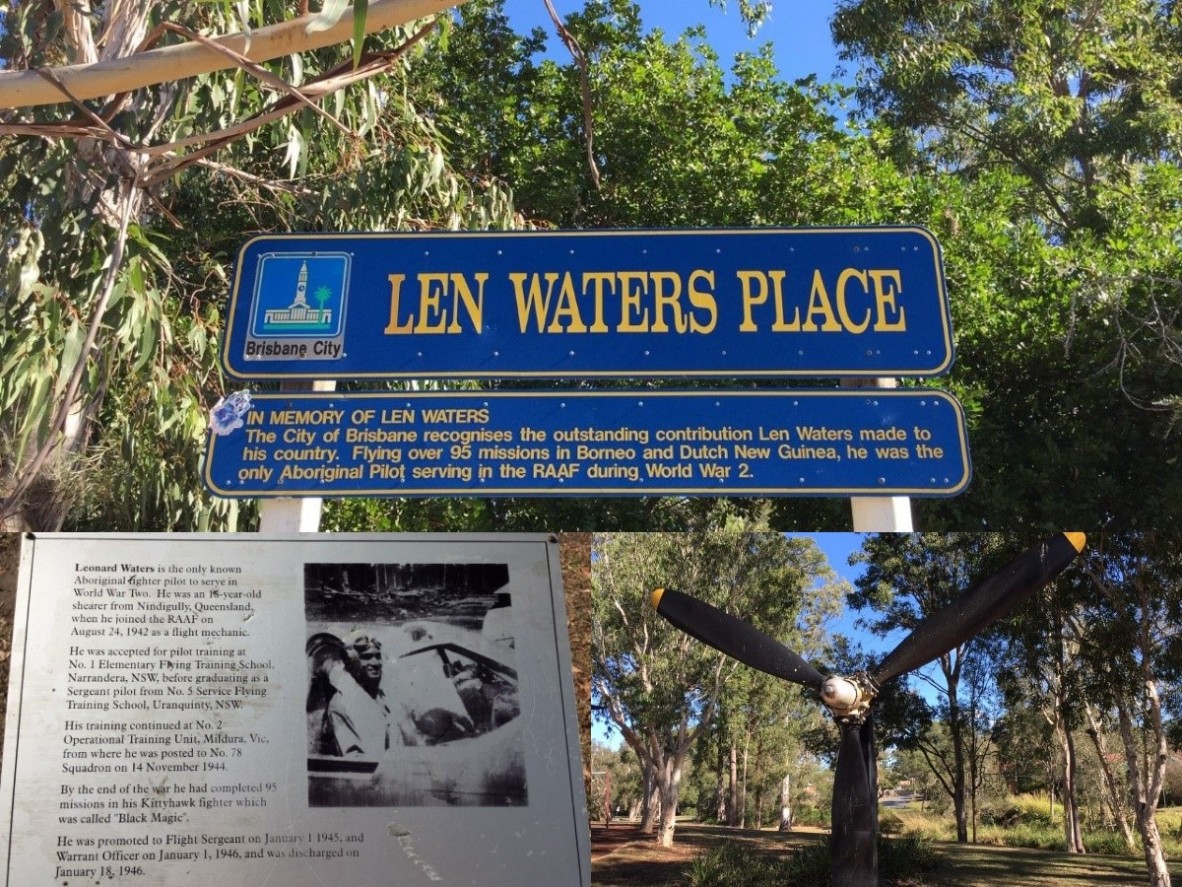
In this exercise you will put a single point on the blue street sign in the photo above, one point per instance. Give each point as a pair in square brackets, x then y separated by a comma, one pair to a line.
[768, 443]
[536, 304]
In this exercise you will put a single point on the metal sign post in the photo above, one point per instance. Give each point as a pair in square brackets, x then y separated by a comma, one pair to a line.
[879, 514]
[286, 515]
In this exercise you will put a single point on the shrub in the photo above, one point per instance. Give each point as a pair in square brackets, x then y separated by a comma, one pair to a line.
[905, 858]
[1107, 843]
[733, 865]
[900, 860]
[1034, 836]
[1036, 808]
[811, 816]
[808, 866]
[1003, 815]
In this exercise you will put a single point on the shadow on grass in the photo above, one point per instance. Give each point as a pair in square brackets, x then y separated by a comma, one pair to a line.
[965, 865]
[624, 857]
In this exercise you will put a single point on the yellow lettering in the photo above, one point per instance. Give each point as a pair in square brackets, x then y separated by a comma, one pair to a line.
[819, 304]
[568, 306]
[759, 295]
[474, 305]
[429, 296]
[884, 297]
[599, 279]
[752, 297]
[393, 328]
[632, 290]
[667, 298]
[703, 299]
[780, 326]
[842, 308]
[534, 301]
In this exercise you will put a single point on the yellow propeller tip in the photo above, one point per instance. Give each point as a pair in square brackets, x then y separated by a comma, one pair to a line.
[1077, 540]
[656, 597]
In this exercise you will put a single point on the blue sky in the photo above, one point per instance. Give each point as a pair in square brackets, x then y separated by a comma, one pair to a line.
[798, 31]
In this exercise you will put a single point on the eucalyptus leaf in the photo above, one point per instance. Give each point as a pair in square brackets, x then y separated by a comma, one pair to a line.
[330, 13]
[360, 13]
[71, 349]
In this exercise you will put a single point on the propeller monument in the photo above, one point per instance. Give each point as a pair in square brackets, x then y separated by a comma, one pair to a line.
[849, 698]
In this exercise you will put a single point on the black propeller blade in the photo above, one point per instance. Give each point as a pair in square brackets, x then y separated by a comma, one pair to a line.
[734, 637]
[854, 839]
[982, 605]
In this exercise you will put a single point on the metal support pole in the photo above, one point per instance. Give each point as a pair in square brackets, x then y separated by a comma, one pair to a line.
[879, 514]
[294, 515]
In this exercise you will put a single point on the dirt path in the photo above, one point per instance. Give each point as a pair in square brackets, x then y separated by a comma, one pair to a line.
[623, 856]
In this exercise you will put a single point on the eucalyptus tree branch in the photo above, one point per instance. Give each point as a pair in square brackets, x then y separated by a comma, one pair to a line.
[934, 756]
[576, 51]
[12, 502]
[277, 83]
[332, 81]
[98, 128]
[257, 181]
[23, 89]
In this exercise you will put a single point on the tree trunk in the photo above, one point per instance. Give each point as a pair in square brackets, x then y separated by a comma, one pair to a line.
[973, 799]
[1155, 857]
[191, 59]
[1143, 795]
[1111, 793]
[1071, 830]
[720, 787]
[743, 788]
[786, 803]
[670, 786]
[732, 795]
[758, 778]
[956, 730]
[650, 801]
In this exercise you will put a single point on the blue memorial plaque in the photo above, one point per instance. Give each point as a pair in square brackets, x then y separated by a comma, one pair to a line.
[767, 443]
[538, 304]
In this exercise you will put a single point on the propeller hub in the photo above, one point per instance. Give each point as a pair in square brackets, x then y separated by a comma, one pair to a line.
[849, 698]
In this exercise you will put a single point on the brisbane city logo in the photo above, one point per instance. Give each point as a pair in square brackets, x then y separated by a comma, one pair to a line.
[298, 306]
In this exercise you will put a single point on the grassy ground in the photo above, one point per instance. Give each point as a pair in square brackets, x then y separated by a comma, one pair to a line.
[622, 857]
[1031, 825]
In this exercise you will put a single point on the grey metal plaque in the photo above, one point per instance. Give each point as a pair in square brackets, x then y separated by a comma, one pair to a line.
[247, 710]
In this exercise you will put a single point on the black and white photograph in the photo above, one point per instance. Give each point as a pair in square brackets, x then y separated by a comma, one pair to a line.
[412, 686]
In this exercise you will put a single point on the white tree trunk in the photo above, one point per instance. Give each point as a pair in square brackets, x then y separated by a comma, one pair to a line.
[786, 803]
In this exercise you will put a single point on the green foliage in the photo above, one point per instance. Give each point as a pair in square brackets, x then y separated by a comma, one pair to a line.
[1069, 93]
[656, 674]
[813, 815]
[1108, 843]
[615, 774]
[130, 457]
[900, 860]
[1060, 125]
[733, 865]
[1032, 809]
[905, 858]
